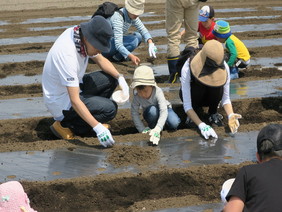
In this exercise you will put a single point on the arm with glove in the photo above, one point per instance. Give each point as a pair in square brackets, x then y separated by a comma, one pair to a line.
[152, 49]
[104, 135]
[123, 85]
[233, 121]
[206, 130]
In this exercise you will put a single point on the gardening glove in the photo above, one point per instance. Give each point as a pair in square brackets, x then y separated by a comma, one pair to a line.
[152, 50]
[155, 135]
[123, 84]
[233, 122]
[104, 135]
[146, 130]
[207, 131]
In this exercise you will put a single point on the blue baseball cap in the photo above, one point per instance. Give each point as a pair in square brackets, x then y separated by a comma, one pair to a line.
[205, 13]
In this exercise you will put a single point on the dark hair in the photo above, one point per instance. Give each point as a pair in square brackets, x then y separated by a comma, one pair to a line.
[141, 87]
[266, 150]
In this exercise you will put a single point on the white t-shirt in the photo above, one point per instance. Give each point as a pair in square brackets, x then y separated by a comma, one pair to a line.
[64, 67]
[186, 87]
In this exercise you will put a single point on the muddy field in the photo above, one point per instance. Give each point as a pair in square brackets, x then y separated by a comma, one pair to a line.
[148, 190]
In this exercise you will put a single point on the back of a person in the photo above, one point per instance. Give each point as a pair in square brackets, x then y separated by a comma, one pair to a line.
[242, 51]
[264, 186]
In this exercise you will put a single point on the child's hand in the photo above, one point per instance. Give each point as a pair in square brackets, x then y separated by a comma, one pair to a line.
[155, 135]
[146, 130]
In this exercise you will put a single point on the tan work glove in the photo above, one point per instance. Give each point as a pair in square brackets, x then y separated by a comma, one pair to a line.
[233, 122]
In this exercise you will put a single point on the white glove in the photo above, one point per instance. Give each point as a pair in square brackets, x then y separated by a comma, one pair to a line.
[155, 135]
[146, 130]
[233, 122]
[207, 131]
[152, 50]
[104, 135]
[123, 84]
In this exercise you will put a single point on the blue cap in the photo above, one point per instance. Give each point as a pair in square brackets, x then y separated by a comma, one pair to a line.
[205, 13]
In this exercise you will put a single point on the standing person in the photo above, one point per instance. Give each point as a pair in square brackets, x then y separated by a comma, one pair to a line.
[80, 102]
[157, 111]
[258, 187]
[122, 43]
[176, 12]
[13, 198]
[205, 82]
[206, 24]
[238, 54]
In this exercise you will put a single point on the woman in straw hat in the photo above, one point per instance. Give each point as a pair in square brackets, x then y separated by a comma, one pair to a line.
[205, 82]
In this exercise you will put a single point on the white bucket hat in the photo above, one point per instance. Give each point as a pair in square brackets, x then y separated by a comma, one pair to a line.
[143, 75]
[135, 7]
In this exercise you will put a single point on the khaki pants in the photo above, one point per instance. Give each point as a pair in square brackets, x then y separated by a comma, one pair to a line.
[176, 12]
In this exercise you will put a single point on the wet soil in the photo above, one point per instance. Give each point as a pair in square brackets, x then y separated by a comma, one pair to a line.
[148, 190]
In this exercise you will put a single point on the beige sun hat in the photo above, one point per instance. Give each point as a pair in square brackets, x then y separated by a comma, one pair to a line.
[207, 66]
[135, 7]
[143, 75]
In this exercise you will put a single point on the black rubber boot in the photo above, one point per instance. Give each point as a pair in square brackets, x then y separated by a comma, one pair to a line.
[173, 75]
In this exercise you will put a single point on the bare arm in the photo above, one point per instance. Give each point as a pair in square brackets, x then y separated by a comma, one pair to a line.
[106, 65]
[228, 108]
[193, 115]
[235, 204]
[80, 107]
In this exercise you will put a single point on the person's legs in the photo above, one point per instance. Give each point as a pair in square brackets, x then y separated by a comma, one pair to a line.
[151, 115]
[103, 109]
[241, 63]
[173, 120]
[191, 13]
[130, 42]
[174, 18]
[214, 96]
[97, 88]
[98, 83]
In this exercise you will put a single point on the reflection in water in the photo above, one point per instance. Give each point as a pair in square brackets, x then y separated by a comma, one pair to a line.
[88, 161]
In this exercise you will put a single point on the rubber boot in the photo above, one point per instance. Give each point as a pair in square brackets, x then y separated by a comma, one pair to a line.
[173, 75]
[234, 72]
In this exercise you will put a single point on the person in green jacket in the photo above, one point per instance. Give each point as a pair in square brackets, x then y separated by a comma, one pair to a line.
[238, 54]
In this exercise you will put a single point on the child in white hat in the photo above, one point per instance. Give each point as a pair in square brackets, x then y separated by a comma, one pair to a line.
[157, 111]
[124, 43]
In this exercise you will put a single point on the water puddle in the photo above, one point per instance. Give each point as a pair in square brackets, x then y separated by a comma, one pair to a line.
[234, 28]
[69, 18]
[154, 33]
[48, 28]
[55, 19]
[235, 10]
[276, 8]
[15, 58]
[22, 40]
[34, 107]
[21, 80]
[250, 17]
[4, 23]
[177, 152]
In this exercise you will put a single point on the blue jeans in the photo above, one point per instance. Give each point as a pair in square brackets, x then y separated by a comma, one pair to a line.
[130, 42]
[151, 115]
[97, 88]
